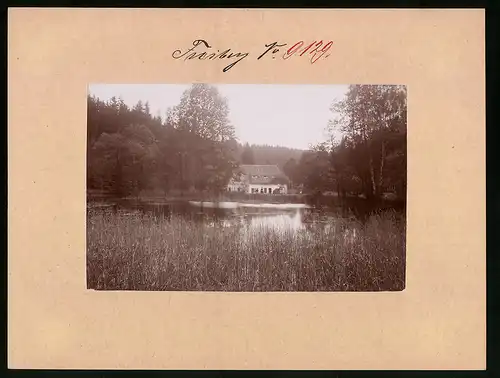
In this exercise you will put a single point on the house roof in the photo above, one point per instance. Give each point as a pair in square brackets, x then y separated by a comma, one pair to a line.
[266, 174]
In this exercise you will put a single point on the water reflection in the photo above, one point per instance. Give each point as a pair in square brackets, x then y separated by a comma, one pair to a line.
[284, 221]
[250, 216]
[255, 221]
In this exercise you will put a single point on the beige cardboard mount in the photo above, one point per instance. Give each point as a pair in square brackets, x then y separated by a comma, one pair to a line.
[437, 322]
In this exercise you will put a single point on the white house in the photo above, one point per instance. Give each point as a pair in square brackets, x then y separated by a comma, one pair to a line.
[264, 179]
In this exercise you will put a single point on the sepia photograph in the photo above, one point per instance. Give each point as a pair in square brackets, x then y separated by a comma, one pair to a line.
[246, 187]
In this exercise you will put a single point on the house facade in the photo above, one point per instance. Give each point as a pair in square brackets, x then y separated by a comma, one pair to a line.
[262, 179]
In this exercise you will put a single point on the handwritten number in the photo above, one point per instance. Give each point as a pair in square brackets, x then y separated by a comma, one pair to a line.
[321, 52]
[307, 48]
[316, 50]
[288, 54]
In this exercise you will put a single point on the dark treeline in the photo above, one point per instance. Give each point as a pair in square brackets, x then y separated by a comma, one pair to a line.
[194, 148]
[130, 150]
[369, 158]
[265, 154]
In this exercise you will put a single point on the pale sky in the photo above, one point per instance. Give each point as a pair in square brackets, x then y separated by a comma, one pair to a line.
[285, 115]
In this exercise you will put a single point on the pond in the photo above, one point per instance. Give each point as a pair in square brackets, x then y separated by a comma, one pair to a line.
[231, 246]
[226, 214]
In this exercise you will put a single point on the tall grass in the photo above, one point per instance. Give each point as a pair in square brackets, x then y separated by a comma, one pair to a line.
[157, 253]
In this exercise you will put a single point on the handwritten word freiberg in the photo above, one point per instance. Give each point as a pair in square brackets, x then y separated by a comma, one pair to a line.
[226, 54]
[315, 51]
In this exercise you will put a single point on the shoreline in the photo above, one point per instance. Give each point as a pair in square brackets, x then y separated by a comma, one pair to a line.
[246, 199]
[359, 207]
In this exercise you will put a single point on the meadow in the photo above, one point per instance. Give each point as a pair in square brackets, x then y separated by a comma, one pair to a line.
[148, 252]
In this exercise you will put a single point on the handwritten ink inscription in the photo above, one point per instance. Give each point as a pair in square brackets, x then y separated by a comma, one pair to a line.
[314, 51]
[209, 54]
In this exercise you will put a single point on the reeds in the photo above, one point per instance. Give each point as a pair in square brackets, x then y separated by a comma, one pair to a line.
[144, 252]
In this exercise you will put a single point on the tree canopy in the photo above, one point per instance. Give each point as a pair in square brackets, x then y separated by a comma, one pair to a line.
[130, 150]
[369, 158]
[195, 148]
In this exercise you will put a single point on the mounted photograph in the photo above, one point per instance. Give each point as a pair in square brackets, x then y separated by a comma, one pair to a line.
[246, 187]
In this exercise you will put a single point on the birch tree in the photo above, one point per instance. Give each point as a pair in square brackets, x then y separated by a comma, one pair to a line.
[372, 120]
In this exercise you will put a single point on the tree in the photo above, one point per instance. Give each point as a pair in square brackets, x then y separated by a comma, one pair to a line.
[202, 117]
[247, 156]
[147, 109]
[345, 178]
[277, 155]
[124, 162]
[314, 170]
[372, 119]
[290, 169]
